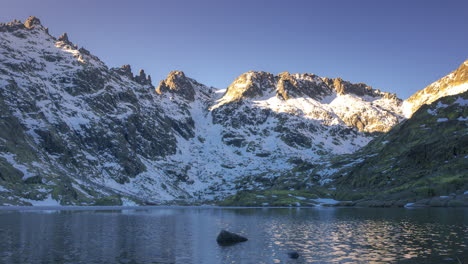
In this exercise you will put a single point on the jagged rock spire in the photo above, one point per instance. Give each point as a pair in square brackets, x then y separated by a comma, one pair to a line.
[142, 79]
[64, 39]
[126, 70]
[31, 22]
[149, 79]
[177, 82]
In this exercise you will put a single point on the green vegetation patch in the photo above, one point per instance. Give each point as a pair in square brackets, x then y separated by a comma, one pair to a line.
[273, 198]
[109, 201]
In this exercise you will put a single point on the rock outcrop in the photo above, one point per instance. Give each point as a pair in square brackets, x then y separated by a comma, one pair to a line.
[64, 39]
[125, 70]
[226, 238]
[141, 78]
[293, 255]
[298, 85]
[249, 85]
[177, 83]
[32, 22]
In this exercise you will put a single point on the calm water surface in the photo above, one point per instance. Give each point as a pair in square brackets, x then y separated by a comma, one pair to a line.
[188, 234]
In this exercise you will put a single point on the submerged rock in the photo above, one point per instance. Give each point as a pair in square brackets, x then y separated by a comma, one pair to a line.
[226, 238]
[293, 255]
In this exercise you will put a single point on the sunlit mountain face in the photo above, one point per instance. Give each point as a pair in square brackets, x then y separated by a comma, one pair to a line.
[76, 132]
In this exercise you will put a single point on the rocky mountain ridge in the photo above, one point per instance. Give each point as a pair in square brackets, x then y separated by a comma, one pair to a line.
[74, 131]
[332, 100]
[452, 84]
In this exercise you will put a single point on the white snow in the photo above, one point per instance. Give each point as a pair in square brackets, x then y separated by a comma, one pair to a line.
[441, 105]
[297, 197]
[78, 188]
[432, 112]
[300, 198]
[46, 202]
[443, 119]
[461, 101]
[325, 201]
[128, 202]
[11, 158]
[325, 181]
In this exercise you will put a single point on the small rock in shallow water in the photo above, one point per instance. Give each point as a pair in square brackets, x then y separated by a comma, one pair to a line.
[293, 255]
[226, 238]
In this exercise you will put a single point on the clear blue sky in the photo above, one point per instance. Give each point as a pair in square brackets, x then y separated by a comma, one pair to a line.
[396, 46]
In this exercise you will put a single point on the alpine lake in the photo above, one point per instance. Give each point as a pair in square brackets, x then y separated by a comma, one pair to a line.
[154, 234]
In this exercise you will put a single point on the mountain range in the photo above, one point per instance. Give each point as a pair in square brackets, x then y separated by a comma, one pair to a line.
[74, 131]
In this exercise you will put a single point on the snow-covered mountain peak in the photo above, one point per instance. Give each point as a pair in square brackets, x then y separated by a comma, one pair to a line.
[31, 23]
[332, 101]
[258, 84]
[81, 130]
[454, 83]
[30, 48]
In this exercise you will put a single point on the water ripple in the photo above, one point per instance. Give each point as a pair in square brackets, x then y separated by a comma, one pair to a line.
[187, 235]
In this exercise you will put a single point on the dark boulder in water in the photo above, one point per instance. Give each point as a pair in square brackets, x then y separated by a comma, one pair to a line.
[226, 238]
[293, 255]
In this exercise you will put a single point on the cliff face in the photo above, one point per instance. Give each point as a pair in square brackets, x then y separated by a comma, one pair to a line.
[74, 131]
